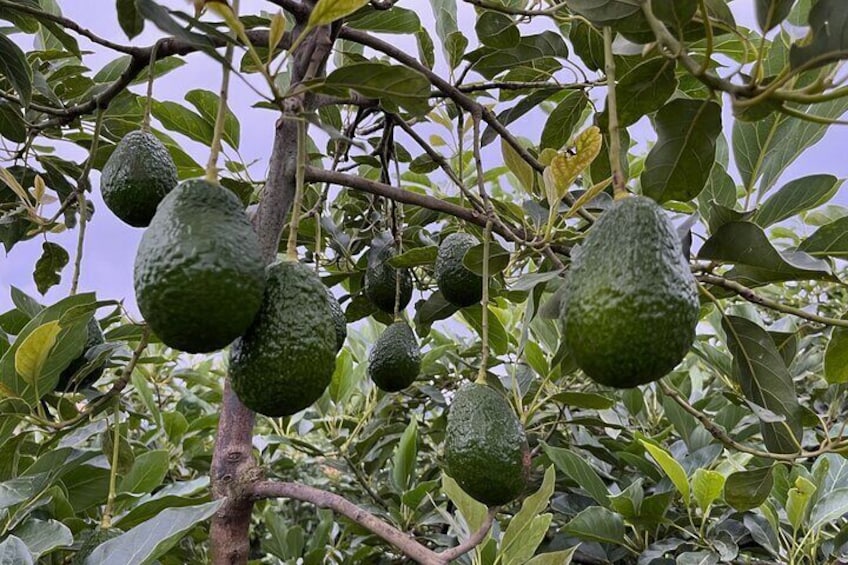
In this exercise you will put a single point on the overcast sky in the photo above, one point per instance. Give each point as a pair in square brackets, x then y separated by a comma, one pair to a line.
[110, 244]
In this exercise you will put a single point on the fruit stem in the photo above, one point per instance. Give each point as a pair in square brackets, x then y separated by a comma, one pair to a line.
[291, 247]
[106, 519]
[221, 116]
[484, 304]
[148, 106]
[82, 183]
[619, 183]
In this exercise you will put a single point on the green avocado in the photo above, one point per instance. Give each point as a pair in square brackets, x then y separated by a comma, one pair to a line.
[486, 449]
[286, 359]
[631, 301]
[97, 537]
[380, 281]
[136, 177]
[95, 338]
[339, 320]
[395, 359]
[199, 273]
[460, 286]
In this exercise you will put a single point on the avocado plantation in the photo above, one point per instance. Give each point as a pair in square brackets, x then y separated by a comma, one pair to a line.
[485, 282]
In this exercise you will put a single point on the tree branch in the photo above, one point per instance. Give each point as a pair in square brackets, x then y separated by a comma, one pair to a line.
[401, 540]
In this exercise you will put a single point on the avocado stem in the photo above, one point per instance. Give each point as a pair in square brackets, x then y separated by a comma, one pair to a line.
[221, 115]
[484, 303]
[148, 104]
[106, 519]
[291, 246]
[619, 182]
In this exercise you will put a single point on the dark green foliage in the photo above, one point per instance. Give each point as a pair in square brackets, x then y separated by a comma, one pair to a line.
[285, 360]
[395, 360]
[339, 320]
[137, 176]
[95, 338]
[459, 286]
[631, 304]
[96, 538]
[486, 449]
[381, 278]
[199, 274]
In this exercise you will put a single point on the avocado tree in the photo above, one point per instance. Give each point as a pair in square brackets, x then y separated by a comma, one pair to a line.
[550, 330]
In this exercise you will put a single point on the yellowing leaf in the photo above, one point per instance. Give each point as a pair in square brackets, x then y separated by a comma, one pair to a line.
[33, 352]
[275, 34]
[327, 11]
[13, 184]
[592, 192]
[565, 167]
[671, 468]
[39, 189]
[518, 166]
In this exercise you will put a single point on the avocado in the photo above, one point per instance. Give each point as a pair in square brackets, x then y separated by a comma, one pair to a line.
[486, 449]
[339, 320]
[460, 286]
[95, 338]
[199, 273]
[136, 177]
[97, 537]
[395, 359]
[380, 281]
[631, 302]
[286, 359]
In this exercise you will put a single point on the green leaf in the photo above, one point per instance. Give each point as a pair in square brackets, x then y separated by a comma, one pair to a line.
[746, 245]
[563, 119]
[12, 125]
[444, 12]
[797, 196]
[584, 400]
[829, 43]
[707, 486]
[474, 512]
[539, 52]
[207, 104]
[498, 338]
[765, 381]
[34, 350]
[43, 536]
[563, 557]
[596, 523]
[527, 527]
[53, 259]
[604, 12]
[16, 69]
[147, 473]
[16, 490]
[579, 471]
[829, 508]
[13, 551]
[415, 257]
[519, 167]
[327, 11]
[394, 85]
[162, 18]
[745, 490]
[830, 240]
[798, 501]
[771, 12]
[680, 162]
[180, 119]
[128, 17]
[152, 539]
[343, 381]
[498, 30]
[404, 460]
[498, 259]
[642, 90]
[396, 20]
[836, 357]
[671, 467]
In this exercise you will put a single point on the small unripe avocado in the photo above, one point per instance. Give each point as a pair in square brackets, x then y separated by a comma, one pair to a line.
[380, 281]
[631, 301]
[286, 359]
[339, 320]
[136, 177]
[199, 273]
[95, 338]
[395, 360]
[486, 449]
[460, 286]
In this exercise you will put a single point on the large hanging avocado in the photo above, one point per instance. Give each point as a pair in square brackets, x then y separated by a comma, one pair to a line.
[460, 286]
[395, 360]
[631, 301]
[199, 274]
[286, 359]
[136, 177]
[486, 449]
[380, 281]
[94, 338]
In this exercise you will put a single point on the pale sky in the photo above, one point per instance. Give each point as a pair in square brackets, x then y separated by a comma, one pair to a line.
[111, 245]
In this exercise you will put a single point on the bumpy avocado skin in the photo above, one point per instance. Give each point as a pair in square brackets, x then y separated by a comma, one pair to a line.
[380, 282]
[95, 337]
[136, 177]
[339, 320]
[459, 285]
[199, 274]
[96, 538]
[631, 302]
[395, 360]
[486, 449]
[285, 360]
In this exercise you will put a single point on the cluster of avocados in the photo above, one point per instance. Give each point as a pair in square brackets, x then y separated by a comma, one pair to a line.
[630, 305]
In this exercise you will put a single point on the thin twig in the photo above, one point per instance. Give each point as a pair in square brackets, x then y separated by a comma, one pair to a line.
[619, 183]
